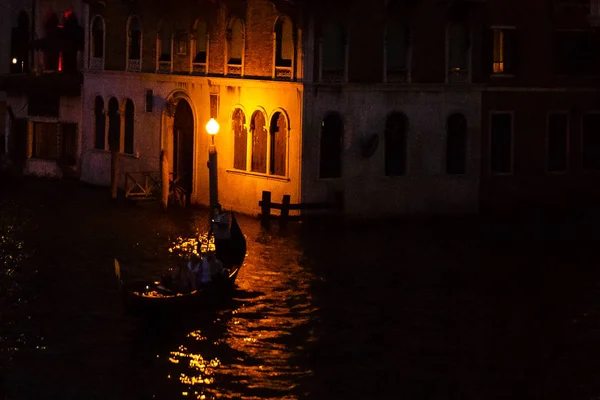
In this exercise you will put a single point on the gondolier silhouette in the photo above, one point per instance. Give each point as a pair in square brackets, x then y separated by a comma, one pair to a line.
[221, 232]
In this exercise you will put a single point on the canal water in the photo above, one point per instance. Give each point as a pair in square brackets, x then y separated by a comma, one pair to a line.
[437, 309]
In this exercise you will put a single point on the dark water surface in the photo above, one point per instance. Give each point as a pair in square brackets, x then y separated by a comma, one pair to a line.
[455, 309]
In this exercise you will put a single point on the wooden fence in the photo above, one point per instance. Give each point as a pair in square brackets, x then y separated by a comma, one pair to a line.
[285, 207]
[143, 185]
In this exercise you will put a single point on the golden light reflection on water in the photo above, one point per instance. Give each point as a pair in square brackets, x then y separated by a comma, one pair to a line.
[186, 247]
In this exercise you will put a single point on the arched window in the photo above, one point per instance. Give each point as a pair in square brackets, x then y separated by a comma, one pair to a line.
[278, 143]
[235, 42]
[99, 123]
[396, 127]
[332, 137]
[114, 125]
[98, 37]
[134, 44]
[456, 144]
[201, 42]
[165, 42]
[284, 43]
[333, 50]
[19, 45]
[71, 43]
[129, 126]
[240, 139]
[259, 142]
[51, 52]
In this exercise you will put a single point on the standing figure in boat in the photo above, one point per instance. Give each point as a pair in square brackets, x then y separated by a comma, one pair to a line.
[221, 232]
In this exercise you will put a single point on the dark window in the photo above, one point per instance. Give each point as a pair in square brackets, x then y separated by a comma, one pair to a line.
[591, 141]
[284, 43]
[501, 143]
[165, 41]
[279, 134]
[43, 104]
[135, 38]
[240, 139]
[51, 49]
[235, 42]
[334, 46]
[201, 42]
[397, 44]
[504, 49]
[558, 128]
[98, 38]
[129, 127]
[332, 136]
[576, 52]
[45, 140]
[114, 125]
[68, 144]
[456, 144]
[99, 123]
[71, 42]
[259, 142]
[396, 127]
[19, 49]
[458, 46]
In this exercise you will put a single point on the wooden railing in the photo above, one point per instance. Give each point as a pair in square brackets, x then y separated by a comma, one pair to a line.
[285, 206]
[143, 185]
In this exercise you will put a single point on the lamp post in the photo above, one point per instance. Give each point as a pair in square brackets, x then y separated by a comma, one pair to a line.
[212, 127]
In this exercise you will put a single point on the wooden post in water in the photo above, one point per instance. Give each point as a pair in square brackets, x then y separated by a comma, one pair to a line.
[285, 210]
[164, 169]
[265, 207]
[114, 173]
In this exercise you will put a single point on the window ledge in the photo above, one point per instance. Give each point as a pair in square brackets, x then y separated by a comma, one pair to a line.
[502, 75]
[258, 175]
[104, 151]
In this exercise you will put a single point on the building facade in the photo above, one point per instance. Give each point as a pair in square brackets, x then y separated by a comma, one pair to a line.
[43, 101]
[396, 107]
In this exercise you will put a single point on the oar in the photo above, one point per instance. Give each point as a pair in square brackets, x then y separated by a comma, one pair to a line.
[118, 274]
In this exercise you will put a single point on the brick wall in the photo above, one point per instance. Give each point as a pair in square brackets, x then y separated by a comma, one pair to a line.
[259, 18]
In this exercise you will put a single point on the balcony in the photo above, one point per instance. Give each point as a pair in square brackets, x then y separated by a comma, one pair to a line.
[134, 65]
[283, 73]
[62, 83]
[164, 67]
[198, 68]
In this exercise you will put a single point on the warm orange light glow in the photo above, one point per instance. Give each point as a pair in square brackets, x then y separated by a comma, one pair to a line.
[60, 60]
[498, 51]
[14, 60]
[212, 127]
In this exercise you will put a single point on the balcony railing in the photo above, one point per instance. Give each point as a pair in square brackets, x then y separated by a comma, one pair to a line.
[97, 64]
[332, 76]
[234, 69]
[397, 75]
[283, 73]
[165, 67]
[199, 68]
[134, 65]
[457, 75]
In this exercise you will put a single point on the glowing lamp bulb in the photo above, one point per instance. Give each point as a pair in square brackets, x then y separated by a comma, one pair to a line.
[14, 60]
[212, 127]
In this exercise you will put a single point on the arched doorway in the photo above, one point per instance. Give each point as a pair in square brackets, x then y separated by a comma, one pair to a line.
[183, 146]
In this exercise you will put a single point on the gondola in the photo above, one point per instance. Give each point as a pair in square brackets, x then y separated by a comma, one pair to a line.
[154, 298]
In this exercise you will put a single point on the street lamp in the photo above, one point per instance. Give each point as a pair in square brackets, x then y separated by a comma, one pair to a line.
[212, 127]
